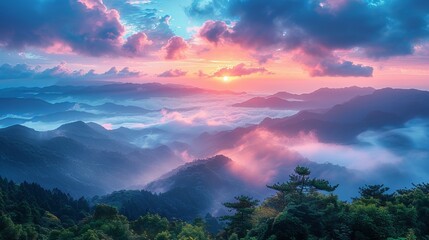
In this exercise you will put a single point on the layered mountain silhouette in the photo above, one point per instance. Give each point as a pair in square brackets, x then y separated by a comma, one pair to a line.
[192, 190]
[79, 159]
[87, 159]
[199, 187]
[21, 110]
[321, 98]
[113, 91]
[342, 123]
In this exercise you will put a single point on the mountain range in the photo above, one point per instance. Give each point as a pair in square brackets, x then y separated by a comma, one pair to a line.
[115, 91]
[319, 99]
[80, 159]
[87, 159]
[342, 123]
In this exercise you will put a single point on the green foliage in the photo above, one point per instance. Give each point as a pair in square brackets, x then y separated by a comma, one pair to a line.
[150, 225]
[300, 183]
[299, 210]
[378, 192]
[233, 236]
[302, 208]
[241, 221]
[165, 235]
[105, 212]
[191, 232]
[29, 212]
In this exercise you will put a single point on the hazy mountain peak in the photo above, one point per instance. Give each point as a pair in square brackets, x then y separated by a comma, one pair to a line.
[19, 131]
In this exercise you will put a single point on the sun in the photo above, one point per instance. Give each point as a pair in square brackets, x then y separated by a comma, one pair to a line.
[226, 78]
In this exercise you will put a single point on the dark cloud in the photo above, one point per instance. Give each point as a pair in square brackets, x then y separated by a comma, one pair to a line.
[238, 71]
[213, 31]
[381, 30]
[60, 72]
[87, 30]
[173, 73]
[341, 69]
[85, 27]
[376, 29]
[176, 48]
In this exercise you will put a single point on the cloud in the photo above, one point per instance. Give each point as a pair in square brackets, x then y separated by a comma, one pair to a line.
[213, 31]
[86, 27]
[264, 58]
[113, 73]
[207, 9]
[374, 29]
[61, 72]
[259, 156]
[137, 44]
[202, 74]
[238, 71]
[381, 30]
[173, 73]
[18, 71]
[341, 69]
[176, 48]
[148, 19]
[264, 157]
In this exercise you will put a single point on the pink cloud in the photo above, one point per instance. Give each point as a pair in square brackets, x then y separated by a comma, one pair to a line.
[173, 73]
[137, 44]
[239, 70]
[107, 126]
[213, 31]
[259, 155]
[199, 118]
[176, 48]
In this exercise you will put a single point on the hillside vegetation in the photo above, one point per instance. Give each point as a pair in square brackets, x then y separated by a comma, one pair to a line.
[301, 208]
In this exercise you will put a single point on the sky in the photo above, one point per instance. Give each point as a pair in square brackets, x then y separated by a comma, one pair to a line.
[239, 45]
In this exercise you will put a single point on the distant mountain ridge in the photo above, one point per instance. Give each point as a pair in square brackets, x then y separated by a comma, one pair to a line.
[109, 91]
[79, 159]
[193, 189]
[343, 122]
[339, 124]
[321, 98]
[21, 110]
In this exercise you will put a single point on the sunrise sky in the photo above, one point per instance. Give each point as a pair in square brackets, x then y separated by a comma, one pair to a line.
[240, 45]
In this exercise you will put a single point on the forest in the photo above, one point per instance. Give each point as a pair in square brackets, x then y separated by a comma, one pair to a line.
[301, 208]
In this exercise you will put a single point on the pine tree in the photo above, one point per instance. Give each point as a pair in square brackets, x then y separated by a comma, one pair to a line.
[300, 183]
[241, 221]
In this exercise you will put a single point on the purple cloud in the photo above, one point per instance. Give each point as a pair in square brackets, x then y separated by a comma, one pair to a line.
[264, 58]
[341, 69]
[238, 71]
[213, 31]
[176, 48]
[85, 27]
[377, 29]
[137, 44]
[90, 30]
[172, 73]
[61, 72]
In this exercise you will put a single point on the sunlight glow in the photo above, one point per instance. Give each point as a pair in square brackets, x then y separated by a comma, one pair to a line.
[226, 79]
